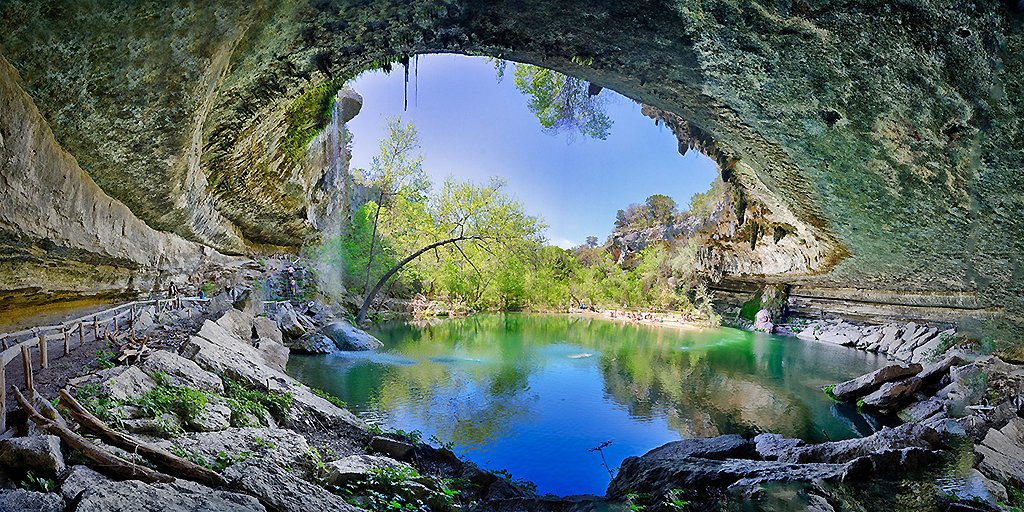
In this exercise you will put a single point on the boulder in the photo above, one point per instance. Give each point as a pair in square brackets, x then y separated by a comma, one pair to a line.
[180, 371]
[36, 453]
[313, 343]
[96, 493]
[214, 417]
[281, 447]
[21, 500]
[922, 410]
[159, 426]
[357, 467]
[763, 321]
[237, 322]
[837, 452]
[266, 329]
[933, 372]
[1002, 452]
[892, 394]
[721, 447]
[660, 475]
[131, 383]
[865, 383]
[348, 337]
[395, 449]
[288, 322]
[350, 102]
[220, 352]
[281, 490]
[769, 446]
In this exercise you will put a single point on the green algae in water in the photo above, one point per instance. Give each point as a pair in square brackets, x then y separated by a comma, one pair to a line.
[533, 393]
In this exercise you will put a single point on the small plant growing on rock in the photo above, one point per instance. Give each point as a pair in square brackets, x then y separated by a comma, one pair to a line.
[185, 402]
[243, 400]
[37, 483]
[329, 397]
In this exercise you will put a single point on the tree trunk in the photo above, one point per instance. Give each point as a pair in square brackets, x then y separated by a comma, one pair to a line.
[373, 237]
[361, 317]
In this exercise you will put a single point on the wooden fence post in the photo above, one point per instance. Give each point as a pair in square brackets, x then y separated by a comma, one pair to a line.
[3, 398]
[115, 324]
[44, 357]
[67, 341]
[96, 327]
[26, 366]
[81, 333]
[4, 341]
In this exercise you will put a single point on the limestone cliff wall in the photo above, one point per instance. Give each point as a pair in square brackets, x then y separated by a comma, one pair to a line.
[60, 234]
[883, 138]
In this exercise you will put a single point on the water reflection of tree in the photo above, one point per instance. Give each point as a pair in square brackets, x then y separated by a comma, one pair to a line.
[703, 382]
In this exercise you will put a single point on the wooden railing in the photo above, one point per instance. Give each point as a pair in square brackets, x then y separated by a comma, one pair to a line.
[109, 320]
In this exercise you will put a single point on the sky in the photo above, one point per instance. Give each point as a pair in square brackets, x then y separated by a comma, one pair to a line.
[472, 127]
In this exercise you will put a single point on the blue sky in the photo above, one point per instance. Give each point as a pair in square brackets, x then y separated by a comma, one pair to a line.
[472, 127]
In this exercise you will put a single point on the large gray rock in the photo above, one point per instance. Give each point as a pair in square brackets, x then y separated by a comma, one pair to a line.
[97, 493]
[1002, 453]
[288, 322]
[239, 323]
[660, 475]
[271, 342]
[129, 384]
[905, 436]
[162, 425]
[721, 447]
[180, 371]
[223, 353]
[313, 343]
[348, 337]
[920, 411]
[770, 446]
[214, 417]
[350, 102]
[281, 490]
[37, 453]
[935, 371]
[356, 467]
[392, 448]
[21, 500]
[282, 447]
[862, 385]
[892, 394]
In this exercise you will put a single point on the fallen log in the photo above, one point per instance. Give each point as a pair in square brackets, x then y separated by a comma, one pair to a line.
[101, 460]
[167, 461]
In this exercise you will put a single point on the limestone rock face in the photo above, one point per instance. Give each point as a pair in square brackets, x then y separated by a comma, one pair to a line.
[180, 371]
[130, 383]
[275, 446]
[282, 490]
[1002, 451]
[348, 337]
[100, 494]
[20, 500]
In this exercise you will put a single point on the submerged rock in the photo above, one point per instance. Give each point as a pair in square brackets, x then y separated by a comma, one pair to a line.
[348, 337]
[313, 343]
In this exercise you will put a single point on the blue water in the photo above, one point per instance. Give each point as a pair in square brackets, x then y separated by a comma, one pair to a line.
[532, 394]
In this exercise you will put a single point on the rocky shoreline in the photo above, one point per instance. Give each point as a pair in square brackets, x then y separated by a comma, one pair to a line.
[220, 398]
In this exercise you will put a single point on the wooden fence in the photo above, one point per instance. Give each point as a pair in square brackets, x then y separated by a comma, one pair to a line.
[99, 324]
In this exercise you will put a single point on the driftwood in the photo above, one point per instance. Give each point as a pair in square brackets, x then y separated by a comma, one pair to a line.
[166, 460]
[102, 460]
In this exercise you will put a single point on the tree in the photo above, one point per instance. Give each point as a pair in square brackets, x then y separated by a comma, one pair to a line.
[561, 103]
[662, 208]
[634, 216]
[395, 171]
[591, 242]
[703, 204]
[464, 213]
